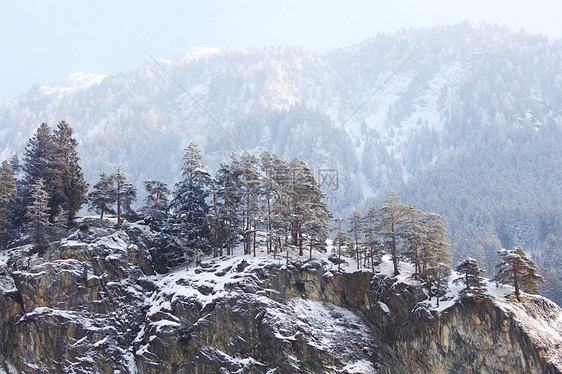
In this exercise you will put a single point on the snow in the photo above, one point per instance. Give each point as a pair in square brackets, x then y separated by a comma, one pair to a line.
[538, 316]
[384, 307]
[200, 52]
[75, 82]
[358, 367]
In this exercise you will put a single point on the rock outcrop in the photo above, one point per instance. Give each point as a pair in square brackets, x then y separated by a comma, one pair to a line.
[94, 305]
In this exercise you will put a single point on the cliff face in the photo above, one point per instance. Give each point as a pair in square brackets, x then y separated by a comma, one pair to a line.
[95, 305]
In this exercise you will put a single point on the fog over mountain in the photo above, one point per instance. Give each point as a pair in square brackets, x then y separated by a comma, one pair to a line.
[462, 120]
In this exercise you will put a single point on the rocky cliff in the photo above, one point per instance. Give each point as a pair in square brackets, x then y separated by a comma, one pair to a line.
[93, 304]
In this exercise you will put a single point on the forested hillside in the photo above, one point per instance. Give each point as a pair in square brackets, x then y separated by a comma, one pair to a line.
[464, 121]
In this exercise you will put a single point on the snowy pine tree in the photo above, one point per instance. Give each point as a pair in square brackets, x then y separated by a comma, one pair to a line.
[102, 198]
[36, 161]
[517, 269]
[7, 202]
[38, 218]
[125, 194]
[414, 232]
[472, 276]
[67, 185]
[156, 202]
[249, 176]
[373, 244]
[355, 222]
[391, 215]
[310, 214]
[229, 195]
[189, 222]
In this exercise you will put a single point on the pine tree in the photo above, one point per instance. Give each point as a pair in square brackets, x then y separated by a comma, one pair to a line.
[391, 214]
[281, 217]
[36, 161]
[38, 217]
[436, 280]
[7, 202]
[472, 278]
[125, 194]
[230, 196]
[67, 187]
[269, 187]
[517, 269]
[414, 231]
[15, 165]
[342, 244]
[102, 198]
[436, 255]
[190, 218]
[309, 210]
[249, 177]
[155, 209]
[436, 248]
[375, 248]
[356, 221]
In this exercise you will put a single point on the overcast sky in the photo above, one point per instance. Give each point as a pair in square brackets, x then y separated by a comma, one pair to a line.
[42, 42]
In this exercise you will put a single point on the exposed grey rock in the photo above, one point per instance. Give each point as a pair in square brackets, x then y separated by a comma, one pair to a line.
[94, 305]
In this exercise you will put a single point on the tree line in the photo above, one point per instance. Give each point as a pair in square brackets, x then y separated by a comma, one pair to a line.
[250, 201]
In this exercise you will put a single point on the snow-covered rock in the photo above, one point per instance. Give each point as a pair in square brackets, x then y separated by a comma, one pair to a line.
[93, 304]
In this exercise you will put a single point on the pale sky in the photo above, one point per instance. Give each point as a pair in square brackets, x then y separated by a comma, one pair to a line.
[41, 42]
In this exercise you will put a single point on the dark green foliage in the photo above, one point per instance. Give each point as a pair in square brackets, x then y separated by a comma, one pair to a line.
[67, 184]
[53, 157]
[228, 200]
[517, 269]
[102, 198]
[156, 203]
[125, 194]
[472, 276]
[189, 222]
[38, 218]
[7, 203]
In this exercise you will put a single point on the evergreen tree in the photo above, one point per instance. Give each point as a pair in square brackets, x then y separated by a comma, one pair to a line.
[471, 275]
[342, 244]
[436, 256]
[189, 221]
[374, 246]
[230, 196]
[281, 217]
[38, 217]
[67, 185]
[125, 194]
[15, 165]
[356, 221]
[7, 202]
[191, 161]
[391, 214]
[61, 223]
[269, 187]
[36, 161]
[517, 269]
[436, 280]
[155, 209]
[102, 198]
[414, 232]
[249, 177]
[308, 207]
[436, 248]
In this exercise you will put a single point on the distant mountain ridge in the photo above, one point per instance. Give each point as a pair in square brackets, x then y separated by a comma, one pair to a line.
[463, 120]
